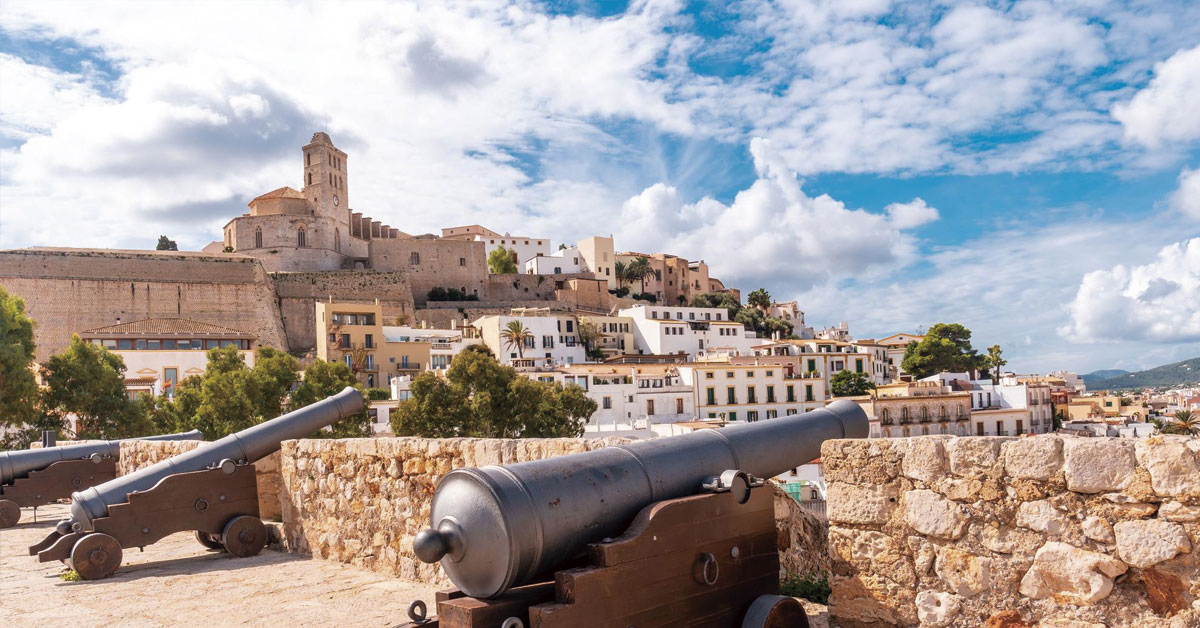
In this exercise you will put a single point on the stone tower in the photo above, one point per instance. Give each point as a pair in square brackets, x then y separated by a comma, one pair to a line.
[326, 186]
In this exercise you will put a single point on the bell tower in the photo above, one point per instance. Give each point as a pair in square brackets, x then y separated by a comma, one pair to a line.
[326, 186]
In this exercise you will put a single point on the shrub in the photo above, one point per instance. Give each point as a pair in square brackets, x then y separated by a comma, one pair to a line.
[811, 586]
[646, 296]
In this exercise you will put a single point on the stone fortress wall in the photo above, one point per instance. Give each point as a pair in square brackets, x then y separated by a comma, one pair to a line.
[298, 292]
[1036, 531]
[71, 290]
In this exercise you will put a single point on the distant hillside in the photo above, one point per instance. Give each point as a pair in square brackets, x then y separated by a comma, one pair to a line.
[1097, 376]
[1177, 374]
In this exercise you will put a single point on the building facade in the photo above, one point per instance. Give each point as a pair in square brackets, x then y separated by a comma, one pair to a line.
[691, 331]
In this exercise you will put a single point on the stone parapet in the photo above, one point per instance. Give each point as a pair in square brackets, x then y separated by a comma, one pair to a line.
[138, 454]
[1041, 530]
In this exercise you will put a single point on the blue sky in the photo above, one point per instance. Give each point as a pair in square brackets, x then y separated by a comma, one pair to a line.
[1026, 168]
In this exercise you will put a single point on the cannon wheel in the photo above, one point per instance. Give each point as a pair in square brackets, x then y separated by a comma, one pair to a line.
[775, 611]
[244, 536]
[10, 513]
[209, 541]
[96, 556]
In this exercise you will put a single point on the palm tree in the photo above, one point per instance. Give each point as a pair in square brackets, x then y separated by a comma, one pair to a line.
[1186, 422]
[760, 299]
[516, 334]
[995, 362]
[638, 270]
[622, 273]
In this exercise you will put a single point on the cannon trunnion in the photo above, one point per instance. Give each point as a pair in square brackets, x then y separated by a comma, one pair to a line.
[37, 477]
[211, 489]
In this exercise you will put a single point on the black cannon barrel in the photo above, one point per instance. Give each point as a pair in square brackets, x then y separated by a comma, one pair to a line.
[496, 527]
[18, 464]
[247, 445]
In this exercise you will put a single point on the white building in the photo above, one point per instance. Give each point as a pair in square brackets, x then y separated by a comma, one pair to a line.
[692, 331]
[525, 247]
[895, 345]
[553, 338]
[1009, 408]
[628, 397]
[1072, 380]
[564, 260]
[444, 344]
[746, 392]
[161, 352]
[597, 256]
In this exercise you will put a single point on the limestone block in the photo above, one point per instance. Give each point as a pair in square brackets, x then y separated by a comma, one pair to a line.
[974, 456]
[861, 461]
[1127, 507]
[937, 609]
[1097, 465]
[848, 503]
[1067, 622]
[872, 552]
[1070, 575]
[1173, 465]
[1037, 458]
[964, 572]
[1098, 529]
[925, 459]
[1003, 539]
[1149, 542]
[1175, 511]
[922, 552]
[1043, 517]
[934, 515]
[958, 489]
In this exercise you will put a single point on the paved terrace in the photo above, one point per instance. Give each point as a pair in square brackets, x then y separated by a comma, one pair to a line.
[176, 582]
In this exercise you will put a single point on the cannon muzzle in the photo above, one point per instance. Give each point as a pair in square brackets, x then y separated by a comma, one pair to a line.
[497, 527]
[246, 446]
[18, 464]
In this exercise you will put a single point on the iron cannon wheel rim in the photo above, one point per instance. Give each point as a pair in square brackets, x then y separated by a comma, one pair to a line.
[775, 611]
[10, 513]
[96, 556]
[244, 536]
[208, 540]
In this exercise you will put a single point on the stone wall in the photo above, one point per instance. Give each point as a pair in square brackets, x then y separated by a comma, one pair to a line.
[71, 290]
[802, 545]
[138, 454]
[1038, 531]
[299, 292]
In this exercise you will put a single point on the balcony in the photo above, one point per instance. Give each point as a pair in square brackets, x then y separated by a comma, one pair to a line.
[887, 422]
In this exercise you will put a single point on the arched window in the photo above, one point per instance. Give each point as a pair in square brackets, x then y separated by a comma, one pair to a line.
[960, 411]
[904, 416]
[887, 432]
[301, 240]
[884, 418]
[414, 258]
[337, 240]
[924, 430]
[258, 237]
[310, 178]
[924, 413]
[942, 413]
[962, 430]
[943, 429]
[906, 432]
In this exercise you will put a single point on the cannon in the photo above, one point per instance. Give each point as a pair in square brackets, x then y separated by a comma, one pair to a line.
[212, 490]
[671, 531]
[36, 477]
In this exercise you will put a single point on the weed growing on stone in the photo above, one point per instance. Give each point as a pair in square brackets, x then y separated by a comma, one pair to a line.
[811, 586]
[70, 575]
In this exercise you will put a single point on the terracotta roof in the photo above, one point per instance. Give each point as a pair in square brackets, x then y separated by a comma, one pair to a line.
[166, 327]
[140, 381]
[283, 192]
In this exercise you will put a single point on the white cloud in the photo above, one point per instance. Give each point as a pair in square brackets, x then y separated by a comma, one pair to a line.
[772, 233]
[1186, 199]
[912, 214]
[1165, 111]
[1155, 302]
[36, 98]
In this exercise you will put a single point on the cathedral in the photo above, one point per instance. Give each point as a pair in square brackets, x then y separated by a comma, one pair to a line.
[311, 229]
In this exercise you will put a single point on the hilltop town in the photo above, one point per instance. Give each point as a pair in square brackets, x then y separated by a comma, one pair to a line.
[654, 339]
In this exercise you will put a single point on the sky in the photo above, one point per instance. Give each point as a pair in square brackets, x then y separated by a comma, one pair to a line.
[1030, 169]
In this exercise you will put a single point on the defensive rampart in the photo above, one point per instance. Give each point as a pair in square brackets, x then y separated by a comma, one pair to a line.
[298, 292]
[1036, 531]
[71, 290]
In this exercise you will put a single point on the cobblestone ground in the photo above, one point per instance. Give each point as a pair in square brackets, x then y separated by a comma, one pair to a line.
[176, 582]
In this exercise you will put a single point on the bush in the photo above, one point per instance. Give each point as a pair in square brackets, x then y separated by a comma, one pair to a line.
[621, 292]
[812, 586]
[646, 296]
[450, 294]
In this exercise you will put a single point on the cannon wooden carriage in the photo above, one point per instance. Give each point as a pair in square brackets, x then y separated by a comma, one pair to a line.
[37, 477]
[212, 490]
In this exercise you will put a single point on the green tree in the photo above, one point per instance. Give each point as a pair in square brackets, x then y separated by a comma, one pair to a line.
[166, 244]
[589, 335]
[945, 348]
[845, 383]
[638, 270]
[324, 379]
[18, 386]
[229, 401]
[501, 262]
[516, 335]
[274, 373]
[479, 397]
[760, 299]
[718, 299]
[995, 362]
[620, 272]
[88, 381]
